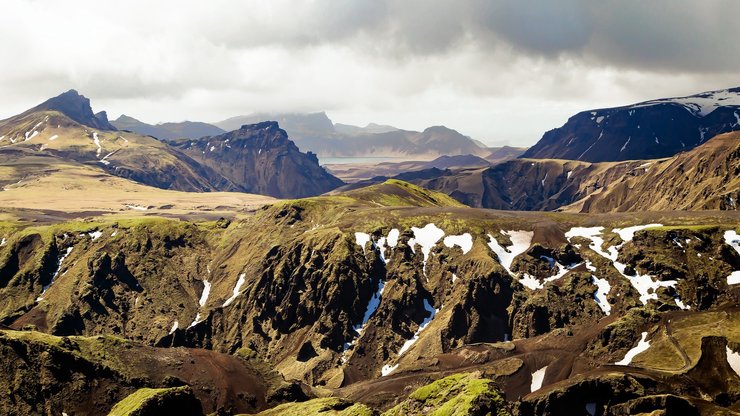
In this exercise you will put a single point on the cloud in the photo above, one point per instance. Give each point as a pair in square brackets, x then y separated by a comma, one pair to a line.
[493, 69]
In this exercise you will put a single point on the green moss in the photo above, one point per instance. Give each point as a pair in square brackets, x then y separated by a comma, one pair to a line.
[136, 400]
[455, 395]
[324, 406]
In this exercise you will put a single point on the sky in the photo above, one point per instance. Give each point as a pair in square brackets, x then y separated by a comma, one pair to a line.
[500, 71]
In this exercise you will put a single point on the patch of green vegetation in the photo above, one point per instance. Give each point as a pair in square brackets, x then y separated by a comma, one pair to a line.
[700, 227]
[138, 399]
[324, 406]
[455, 395]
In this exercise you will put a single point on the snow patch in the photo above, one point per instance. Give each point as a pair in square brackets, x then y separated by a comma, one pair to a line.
[95, 235]
[733, 240]
[602, 290]
[175, 325]
[464, 241]
[387, 369]
[136, 207]
[520, 242]
[3, 242]
[96, 140]
[393, 237]
[537, 378]
[56, 273]
[54, 137]
[641, 346]
[237, 287]
[362, 239]
[427, 238]
[733, 358]
[206, 291]
[432, 312]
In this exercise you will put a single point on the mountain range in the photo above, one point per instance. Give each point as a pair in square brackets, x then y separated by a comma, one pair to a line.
[64, 128]
[141, 276]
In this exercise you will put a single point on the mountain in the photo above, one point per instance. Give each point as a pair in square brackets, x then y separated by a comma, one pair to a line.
[315, 132]
[74, 106]
[389, 298]
[261, 159]
[500, 154]
[704, 178]
[355, 172]
[648, 130]
[167, 131]
[296, 124]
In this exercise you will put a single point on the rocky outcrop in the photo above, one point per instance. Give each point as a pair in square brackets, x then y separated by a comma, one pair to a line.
[76, 107]
[261, 159]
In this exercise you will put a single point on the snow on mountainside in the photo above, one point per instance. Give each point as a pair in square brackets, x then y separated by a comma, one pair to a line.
[647, 130]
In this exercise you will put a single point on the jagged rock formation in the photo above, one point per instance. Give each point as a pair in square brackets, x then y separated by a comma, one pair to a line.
[649, 130]
[261, 159]
[383, 288]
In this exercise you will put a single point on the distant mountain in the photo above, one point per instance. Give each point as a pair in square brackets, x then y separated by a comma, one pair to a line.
[76, 107]
[255, 159]
[167, 131]
[296, 124]
[260, 158]
[500, 154]
[315, 132]
[647, 130]
[369, 129]
[355, 172]
[707, 177]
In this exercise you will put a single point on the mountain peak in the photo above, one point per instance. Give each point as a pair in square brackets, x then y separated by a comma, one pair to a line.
[77, 107]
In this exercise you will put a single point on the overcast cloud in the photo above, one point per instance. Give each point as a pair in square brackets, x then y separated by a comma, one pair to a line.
[498, 70]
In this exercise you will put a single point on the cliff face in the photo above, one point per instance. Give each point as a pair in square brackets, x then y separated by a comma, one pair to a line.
[260, 158]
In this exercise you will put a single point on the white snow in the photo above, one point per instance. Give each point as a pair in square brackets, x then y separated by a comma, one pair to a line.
[54, 137]
[137, 207]
[372, 306]
[702, 104]
[733, 358]
[464, 241]
[432, 312]
[567, 175]
[454, 277]
[105, 160]
[175, 325]
[206, 292]
[592, 233]
[733, 240]
[3, 242]
[95, 235]
[627, 234]
[427, 238]
[96, 140]
[393, 237]
[643, 283]
[544, 179]
[213, 148]
[625, 144]
[387, 369]
[56, 273]
[603, 288]
[599, 119]
[362, 239]
[520, 242]
[641, 346]
[531, 282]
[537, 378]
[238, 287]
[113, 234]
[34, 134]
